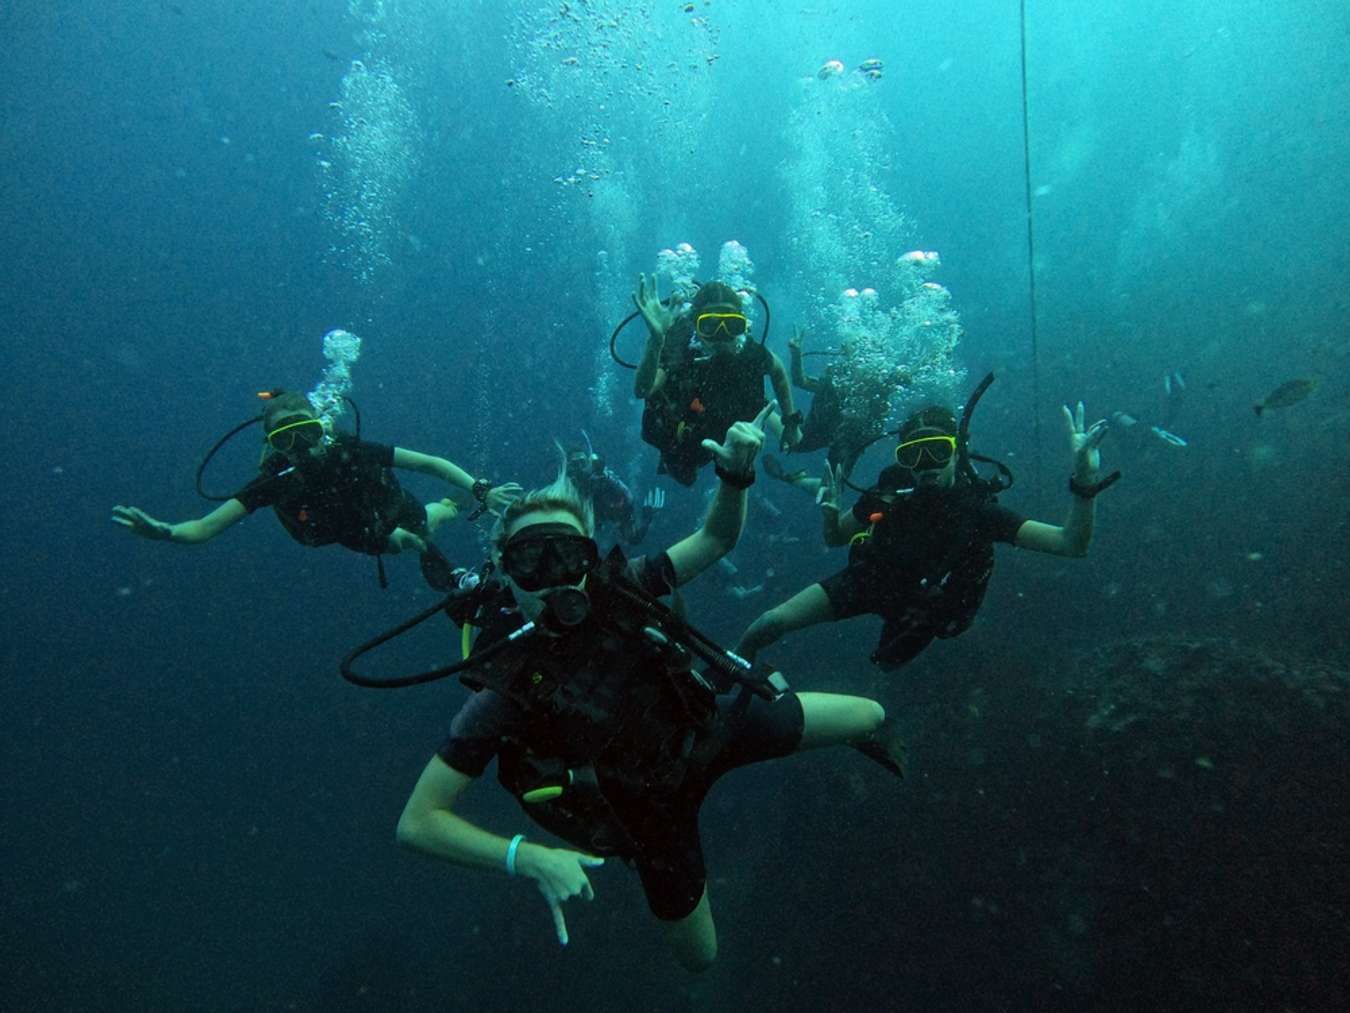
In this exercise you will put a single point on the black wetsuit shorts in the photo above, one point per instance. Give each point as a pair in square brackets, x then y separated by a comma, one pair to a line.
[672, 870]
[670, 858]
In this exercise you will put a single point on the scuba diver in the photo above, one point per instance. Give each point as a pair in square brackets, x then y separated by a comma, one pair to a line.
[610, 498]
[603, 728]
[1134, 429]
[702, 371]
[849, 405]
[341, 490]
[921, 541]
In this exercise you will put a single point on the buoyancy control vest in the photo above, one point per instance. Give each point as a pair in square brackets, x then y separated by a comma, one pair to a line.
[614, 715]
[347, 496]
[703, 394]
[943, 591]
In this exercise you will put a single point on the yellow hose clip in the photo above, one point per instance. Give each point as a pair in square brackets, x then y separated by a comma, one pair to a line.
[545, 794]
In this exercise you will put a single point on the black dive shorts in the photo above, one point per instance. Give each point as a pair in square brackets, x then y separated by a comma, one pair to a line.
[859, 590]
[814, 437]
[408, 514]
[411, 515]
[683, 462]
[671, 864]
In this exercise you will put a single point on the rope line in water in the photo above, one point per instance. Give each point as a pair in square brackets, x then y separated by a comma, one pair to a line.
[1031, 253]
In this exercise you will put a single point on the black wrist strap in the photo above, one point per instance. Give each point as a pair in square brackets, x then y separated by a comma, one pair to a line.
[742, 481]
[1091, 491]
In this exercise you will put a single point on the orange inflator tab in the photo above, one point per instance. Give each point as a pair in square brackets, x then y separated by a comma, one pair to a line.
[696, 406]
[875, 518]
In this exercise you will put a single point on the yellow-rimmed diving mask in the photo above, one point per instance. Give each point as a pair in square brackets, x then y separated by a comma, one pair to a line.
[720, 326]
[303, 432]
[924, 452]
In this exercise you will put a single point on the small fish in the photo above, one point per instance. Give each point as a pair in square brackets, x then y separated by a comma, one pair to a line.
[1167, 437]
[1288, 393]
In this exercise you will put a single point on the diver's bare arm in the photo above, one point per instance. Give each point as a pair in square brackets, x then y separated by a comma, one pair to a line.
[691, 556]
[1074, 537]
[778, 378]
[1070, 539]
[650, 375]
[437, 467]
[193, 532]
[429, 826]
[837, 528]
[810, 384]
[735, 462]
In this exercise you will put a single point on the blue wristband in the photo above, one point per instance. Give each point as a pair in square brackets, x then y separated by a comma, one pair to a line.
[511, 850]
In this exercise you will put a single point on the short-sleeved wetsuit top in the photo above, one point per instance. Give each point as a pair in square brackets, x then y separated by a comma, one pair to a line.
[658, 820]
[614, 504]
[925, 565]
[611, 498]
[701, 397]
[848, 414]
[349, 495]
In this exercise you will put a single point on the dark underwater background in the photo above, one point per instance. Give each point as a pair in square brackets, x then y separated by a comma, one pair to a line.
[1127, 784]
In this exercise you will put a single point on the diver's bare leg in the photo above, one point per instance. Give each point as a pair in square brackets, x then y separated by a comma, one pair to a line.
[439, 513]
[805, 608]
[693, 939]
[831, 719]
[403, 540]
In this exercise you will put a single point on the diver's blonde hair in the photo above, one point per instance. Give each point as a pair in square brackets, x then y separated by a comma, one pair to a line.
[560, 494]
[286, 405]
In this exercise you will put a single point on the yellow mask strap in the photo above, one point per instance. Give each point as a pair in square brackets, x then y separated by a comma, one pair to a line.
[949, 440]
[292, 425]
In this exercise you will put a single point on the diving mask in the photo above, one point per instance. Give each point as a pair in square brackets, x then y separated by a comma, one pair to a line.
[303, 433]
[582, 466]
[720, 326]
[924, 452]
[541, 556]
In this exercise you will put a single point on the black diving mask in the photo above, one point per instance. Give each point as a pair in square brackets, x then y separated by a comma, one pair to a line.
[541, 556]
[584, 466]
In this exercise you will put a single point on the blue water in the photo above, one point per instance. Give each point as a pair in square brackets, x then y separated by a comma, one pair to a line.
[199, 814]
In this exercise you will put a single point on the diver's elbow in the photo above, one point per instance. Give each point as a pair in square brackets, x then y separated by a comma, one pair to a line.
[724, 542]
[408, 833]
